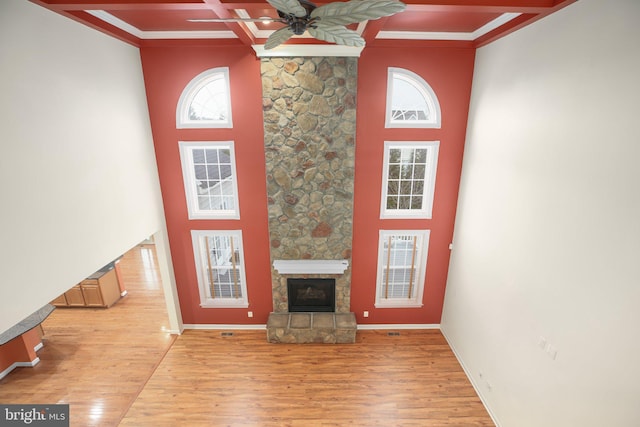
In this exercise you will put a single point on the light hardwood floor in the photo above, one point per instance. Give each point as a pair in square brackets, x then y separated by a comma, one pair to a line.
[113, 373]
[97, 360]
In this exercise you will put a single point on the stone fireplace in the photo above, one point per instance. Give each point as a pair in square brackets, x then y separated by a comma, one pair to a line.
[309, 108]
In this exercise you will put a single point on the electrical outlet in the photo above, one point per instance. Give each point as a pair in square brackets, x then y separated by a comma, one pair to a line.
[366, 314]
[542, 343]
[487, 384]
[249, 313]
[552, 352]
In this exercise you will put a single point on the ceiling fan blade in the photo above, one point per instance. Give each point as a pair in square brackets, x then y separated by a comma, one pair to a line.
[289, 7]
[278, 37]
[343, 13]
[337, 34]
[235, 20]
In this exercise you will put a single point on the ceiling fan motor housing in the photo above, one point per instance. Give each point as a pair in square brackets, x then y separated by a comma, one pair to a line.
[299, 24]
[328, 22]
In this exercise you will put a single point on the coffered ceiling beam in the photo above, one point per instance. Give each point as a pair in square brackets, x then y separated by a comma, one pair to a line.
[239, 28]
[157, 5]
[519, 22]
[484, 6]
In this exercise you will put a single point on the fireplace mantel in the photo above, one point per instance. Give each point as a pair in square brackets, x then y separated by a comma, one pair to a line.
[311, 266]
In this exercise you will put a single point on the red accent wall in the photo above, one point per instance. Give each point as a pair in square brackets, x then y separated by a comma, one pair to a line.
[167, 70]
[449, 72]
[19, 349]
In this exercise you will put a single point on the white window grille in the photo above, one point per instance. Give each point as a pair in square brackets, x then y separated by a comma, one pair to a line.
[209, 173]
[410, 101]
[402, 264]
[408, 179]
[220, 268]
[206, 101]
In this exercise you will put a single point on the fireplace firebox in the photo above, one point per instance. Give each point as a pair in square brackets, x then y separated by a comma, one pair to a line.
[315, 295]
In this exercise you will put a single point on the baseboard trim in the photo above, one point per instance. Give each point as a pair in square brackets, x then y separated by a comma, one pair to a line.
[227, 327]
[385, 326]
[475, 385]
[38, 346]
[15, 365]
[264, 327]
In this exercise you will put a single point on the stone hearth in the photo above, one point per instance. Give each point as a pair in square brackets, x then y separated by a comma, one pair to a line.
[301, 328]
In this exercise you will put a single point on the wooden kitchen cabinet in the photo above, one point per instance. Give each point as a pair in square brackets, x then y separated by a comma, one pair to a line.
[74, 297]
[101, 289]
[91, 293]
[61, 301]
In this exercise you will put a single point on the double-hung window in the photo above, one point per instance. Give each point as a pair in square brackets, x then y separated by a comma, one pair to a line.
[220, 268]
[408, 179]
[402, 266]
[209, 173]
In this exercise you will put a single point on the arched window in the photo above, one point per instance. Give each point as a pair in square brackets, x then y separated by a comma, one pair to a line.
[206, 101]
[411, 103]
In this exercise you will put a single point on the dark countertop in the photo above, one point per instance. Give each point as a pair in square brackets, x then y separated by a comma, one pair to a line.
[104, 270]
[27, 324]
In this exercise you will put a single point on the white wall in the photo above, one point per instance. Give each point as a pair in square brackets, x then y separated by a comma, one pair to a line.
[78, 180]
[547, 238]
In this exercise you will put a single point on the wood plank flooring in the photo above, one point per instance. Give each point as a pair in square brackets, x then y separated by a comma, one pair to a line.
[97, 360]
[114, 374]
[407, 380]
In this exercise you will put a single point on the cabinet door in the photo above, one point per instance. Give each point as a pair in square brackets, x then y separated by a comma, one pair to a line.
[109, 288]
[92, 295]
[74, 297]
[61, 301]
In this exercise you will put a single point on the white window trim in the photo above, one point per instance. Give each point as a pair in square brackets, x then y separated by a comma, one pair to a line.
[424, 88]
[182, 110]
[189, 178]
[415, 302]
[429, 181]
[201, 265]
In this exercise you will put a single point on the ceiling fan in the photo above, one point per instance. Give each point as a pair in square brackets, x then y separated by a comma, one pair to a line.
[326, 22]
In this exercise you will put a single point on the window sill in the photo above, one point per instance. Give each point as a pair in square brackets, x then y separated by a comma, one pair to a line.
[412, 124]
[398, 304]
[232, 215]
[203, 124]
[405, 214]
[224, 304]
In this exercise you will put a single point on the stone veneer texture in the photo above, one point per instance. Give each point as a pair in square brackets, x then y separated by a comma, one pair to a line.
[309, 107]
